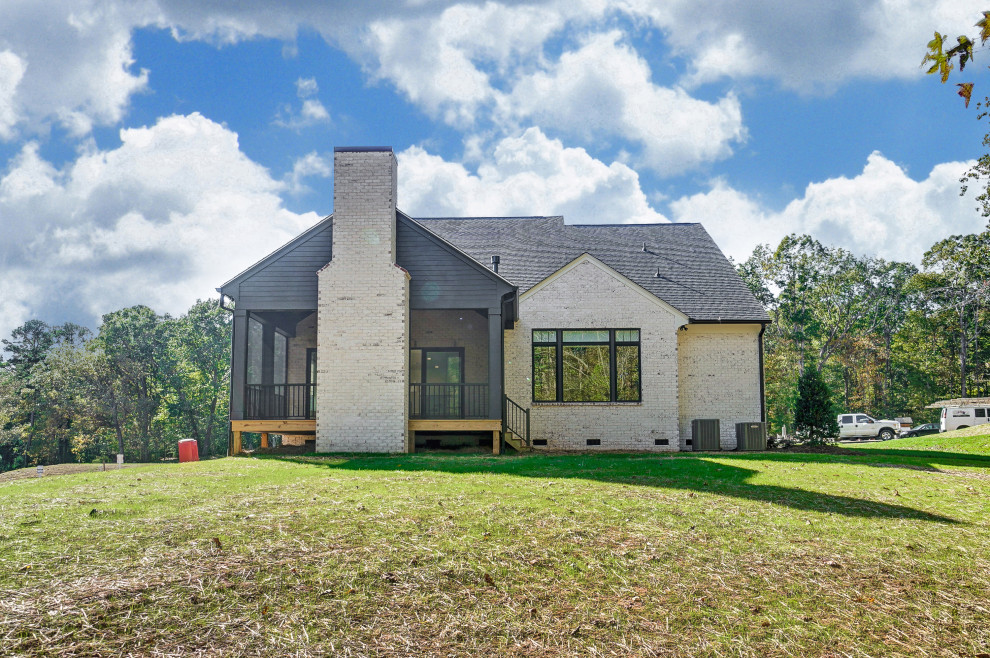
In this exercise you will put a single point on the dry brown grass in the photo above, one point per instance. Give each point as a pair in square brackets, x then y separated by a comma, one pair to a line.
[721, 555]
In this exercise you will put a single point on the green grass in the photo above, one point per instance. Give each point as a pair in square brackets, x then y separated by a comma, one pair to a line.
[970, 441]
[760, 554]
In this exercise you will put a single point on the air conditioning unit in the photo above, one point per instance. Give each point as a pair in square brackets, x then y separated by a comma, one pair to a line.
[705, 434]
[751, 436]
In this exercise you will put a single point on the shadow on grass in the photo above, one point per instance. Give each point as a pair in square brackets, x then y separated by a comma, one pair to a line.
[939, 456]
[689, 472]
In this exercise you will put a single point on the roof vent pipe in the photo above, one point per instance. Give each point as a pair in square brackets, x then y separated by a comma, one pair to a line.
[644, 246]
[657, 275]
[495, 261]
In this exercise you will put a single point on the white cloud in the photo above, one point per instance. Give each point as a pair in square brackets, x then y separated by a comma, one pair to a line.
[808, 46]
[880, 212]
[11, 71]
[736, 222]
[526, 175]
[312, 111]
[604, 89]
[165, 218]
[75, 64]
[75, 60]
[310, 165]
[306, 87]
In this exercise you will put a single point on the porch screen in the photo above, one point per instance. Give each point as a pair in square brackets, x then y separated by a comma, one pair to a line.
[255, 355]
[586, 365]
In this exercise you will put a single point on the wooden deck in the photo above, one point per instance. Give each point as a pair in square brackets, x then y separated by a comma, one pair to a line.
[266, 427]
[493, 426]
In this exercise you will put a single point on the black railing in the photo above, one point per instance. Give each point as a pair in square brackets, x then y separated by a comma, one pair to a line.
[515, 419]
[280, 402]
[442, 401]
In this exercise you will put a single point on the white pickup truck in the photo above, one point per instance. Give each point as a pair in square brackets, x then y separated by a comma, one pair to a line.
[861, 426]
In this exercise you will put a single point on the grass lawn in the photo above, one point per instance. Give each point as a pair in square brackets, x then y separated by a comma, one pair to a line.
[882, 552]
[972, 441]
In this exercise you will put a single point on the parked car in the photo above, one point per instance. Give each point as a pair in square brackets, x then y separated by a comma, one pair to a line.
[861, 426]
[959, 417]
[921, 430]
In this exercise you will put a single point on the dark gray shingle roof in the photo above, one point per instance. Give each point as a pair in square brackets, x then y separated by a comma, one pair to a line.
[695, 277]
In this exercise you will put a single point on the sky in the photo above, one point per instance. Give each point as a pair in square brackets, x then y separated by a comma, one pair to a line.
[150, 150]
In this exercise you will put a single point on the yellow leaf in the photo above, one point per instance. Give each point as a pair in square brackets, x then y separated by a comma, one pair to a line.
[984, 26]
[965, 90]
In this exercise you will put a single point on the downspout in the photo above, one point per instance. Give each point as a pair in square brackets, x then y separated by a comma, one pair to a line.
[501, 337]
[230, 401]
[763, 391]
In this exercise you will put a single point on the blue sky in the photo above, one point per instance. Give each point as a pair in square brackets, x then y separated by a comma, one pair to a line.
[150, 150]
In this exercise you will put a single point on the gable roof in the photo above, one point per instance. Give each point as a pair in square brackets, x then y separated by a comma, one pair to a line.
[230, 287]
[681, 265]
[588, 258]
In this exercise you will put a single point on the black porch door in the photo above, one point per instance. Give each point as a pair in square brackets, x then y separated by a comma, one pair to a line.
[441, 372]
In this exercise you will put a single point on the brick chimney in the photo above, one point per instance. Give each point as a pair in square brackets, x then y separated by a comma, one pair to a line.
[363, 314]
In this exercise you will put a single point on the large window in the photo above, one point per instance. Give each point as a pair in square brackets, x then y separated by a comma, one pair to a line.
[586, 365]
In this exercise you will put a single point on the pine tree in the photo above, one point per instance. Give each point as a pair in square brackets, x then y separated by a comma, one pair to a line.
[813, 417]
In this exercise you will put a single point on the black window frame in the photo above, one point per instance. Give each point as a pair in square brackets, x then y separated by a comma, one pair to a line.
[612, 343]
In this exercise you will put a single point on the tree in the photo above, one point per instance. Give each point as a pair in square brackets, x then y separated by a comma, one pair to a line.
[957, 277]
[814, 419]
[134, 341]
[199, 373]
[840, 310]
[35, 406]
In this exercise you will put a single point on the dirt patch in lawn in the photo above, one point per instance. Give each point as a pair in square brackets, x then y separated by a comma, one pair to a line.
[59, 469]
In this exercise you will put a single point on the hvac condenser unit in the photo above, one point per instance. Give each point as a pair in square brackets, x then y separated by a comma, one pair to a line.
[751, 436]
[705, 434]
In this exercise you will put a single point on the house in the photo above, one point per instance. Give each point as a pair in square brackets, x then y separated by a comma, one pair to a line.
[373, 326]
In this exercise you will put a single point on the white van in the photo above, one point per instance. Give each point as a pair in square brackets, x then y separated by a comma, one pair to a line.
[956, 418]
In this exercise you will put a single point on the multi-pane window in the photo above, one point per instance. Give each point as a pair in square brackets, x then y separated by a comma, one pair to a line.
[586, 365]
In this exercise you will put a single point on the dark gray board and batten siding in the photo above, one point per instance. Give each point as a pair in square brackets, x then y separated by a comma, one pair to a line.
[442, 277]
[287, 279]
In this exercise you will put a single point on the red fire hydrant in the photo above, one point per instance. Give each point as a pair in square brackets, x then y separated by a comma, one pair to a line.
[188, 450]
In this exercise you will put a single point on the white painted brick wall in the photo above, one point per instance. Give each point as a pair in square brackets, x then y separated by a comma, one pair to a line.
[464, 329]
[719, 377]
[304, 339]
[587, 297]
[363, 314]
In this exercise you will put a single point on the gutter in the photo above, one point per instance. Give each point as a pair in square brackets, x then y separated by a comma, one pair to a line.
[226, 308]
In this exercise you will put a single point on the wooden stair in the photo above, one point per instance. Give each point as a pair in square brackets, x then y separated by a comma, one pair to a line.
[515, 442]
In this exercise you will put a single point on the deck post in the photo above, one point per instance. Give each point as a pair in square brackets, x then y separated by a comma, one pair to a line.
[495, 362]
[237, 444]
[264, 439]
[238, 364]
[496, 442]
[411, 442]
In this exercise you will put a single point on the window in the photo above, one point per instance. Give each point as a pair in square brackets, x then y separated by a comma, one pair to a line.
[847, 420]
[586, 365]
[981, 413]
